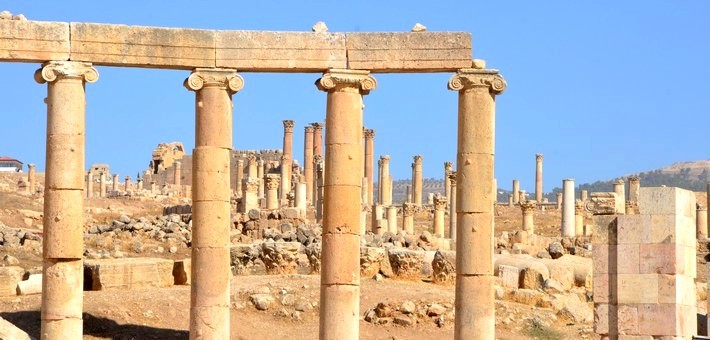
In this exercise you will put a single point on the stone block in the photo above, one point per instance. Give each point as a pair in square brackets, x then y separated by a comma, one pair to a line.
[678, 289]
[444, 267]
[604, 229]
[628, 319]
[33, 285]
[7, 329]
[667, 201]
[601, 254]
[140, 46]
[128, 273]
[667, 320]
[9, 277]
[602, 288]
[627, 259]
[631, 229]
[409, 52]
[280, 51]
[637, 288]
[604, 315]
[406, 263]
[33, 41]
[510, 276]
[181, 272]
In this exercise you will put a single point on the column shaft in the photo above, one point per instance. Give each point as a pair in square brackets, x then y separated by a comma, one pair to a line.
[308, 162]
[287, 160]
[417, 180]
[452, 205]
[516, 191]
[538, 178]
[568, 229]
[370, 163]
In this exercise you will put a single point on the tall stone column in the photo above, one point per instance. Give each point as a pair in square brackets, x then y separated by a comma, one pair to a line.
[583, 195]
[559, 200]
[579, 218]
[272, 190]
[177, 173]
[102, 185]
[127, 183]
[140, 184]
[528, 208]
[448, 167]
[701, 222]
[386, 198]
[319, 168]
[417, 180]
[475, 308]
[31, 179]
[308, 163]
[370, 163]
[252, 172]
[287, 160]
[408, 209]
[452, 205]
[114, 183]
[392, 219]
[317, 151]
[634, 188]
[340, 262]
[89, 184]
[211, 194]
[379, 180]
[260, 176]
[568, 208]
[516, 191]
[238, 176]
[63, 243]
[538, 178]
[439, 213]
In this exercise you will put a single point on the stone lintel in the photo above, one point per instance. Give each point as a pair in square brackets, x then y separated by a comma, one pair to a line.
[33, 41]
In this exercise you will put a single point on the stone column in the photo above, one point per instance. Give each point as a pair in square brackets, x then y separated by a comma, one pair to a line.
[417, 180]
[620, 193]
[252, 172]
[31, 178]
[392, 219]
[452, 205]
[114, 184]
[127, 183]
[475, 308]
[583, 195]
[528, 208]
[272, 191]
[579, 218]
[287, 160]
[701, 222]
[319, 168]
[239, 175]
[379, 180]
[177, 173]
[634, 188]
[250, 189]
[89, 184]
[559, 200]
[260, 177]
[370, 163]
[102, 185]
[409, 193]
[510, 200]
[317, 151]
[300, 197]
[448, 167]
[386, 198]
[439, 213]
[408, 209]
[140, 184]
[308, 163]
[538, 178]
[522, 196]
[568, 208]
[63, 243]
[211, 205]
[340, 262]
[516, 191]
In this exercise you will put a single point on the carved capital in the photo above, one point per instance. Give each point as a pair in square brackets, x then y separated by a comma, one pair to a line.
[342, 80]
[317, 127]
[439, 202]
[288, 125]
[448, 166]
[250, 185]
[601, 203]
[578, 207]
[55, 70]
[634, 179]
[418, 159]
[452, 177]
[539, 157]
[528, 206]
[467, 79]
[385, 158]
[309, 129]
[214, 77]
[369, 133]
[408, 208]
[272, 182]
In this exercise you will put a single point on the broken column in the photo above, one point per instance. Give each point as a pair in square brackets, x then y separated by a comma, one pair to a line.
[448, 167]
[287, 159]
[177, 173]
[583, 195]
[89, 184]
[516, 191]
[528, 209]
[272, 191]
[250, 190]
[568, 208]
[392, 219]
[308, 162]
[701, 222]
[386, 185]
[238, 176]
[63, 243]
[439, 213]
[300, 197]
[31, 178]
[211, 194]
[260, 169]
[634, 188]
[538, 178]
[114, 183]
[127, 183]
[559, 200]
[370, 163]
[475, 308]
[102, 185]
[417, 180]
[452, 205]
[340, 261]
[408, 209]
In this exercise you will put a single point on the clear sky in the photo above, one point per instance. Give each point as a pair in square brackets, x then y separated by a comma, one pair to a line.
[601, 88]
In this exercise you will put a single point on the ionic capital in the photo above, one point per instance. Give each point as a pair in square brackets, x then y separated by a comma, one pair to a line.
[288, 125]
[55, 70]
[467, 79]
[214, 77]
[336, 80]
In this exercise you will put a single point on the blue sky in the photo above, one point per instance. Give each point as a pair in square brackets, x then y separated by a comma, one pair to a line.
[601, 88]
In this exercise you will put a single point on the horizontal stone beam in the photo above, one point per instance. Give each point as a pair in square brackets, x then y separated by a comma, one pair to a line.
[246, 51]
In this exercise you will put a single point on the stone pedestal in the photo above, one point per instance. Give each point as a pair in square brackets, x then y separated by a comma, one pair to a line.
[568, 229]
[475, 308]
[392, 219]
[211, 201]
[538, 178]
[408, 210]
[272, 183]
[516, 191]
[308, 162]
[417, 181]
[528, 209]
[439, 213]
[63, 220]
[340, 260]
[452, 205]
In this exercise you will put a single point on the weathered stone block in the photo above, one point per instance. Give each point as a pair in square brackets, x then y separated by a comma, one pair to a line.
[667, 319]
[280, 257]
[140, 46]
[181, 272]
[371, 260]
[637, 288]
[628, 317]
[628, 260]
[33, 41]
[444, 267]
[510, 276]
[667, 201]
[280, 51]
[128, 273]
[406, 263]
[409, 52]
[9, 277]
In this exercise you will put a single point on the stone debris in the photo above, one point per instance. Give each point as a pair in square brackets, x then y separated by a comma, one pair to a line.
[319, 27]
[418, 28]
[11, 332]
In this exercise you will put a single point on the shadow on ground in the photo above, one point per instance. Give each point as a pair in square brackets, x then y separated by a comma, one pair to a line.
[29, 321]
